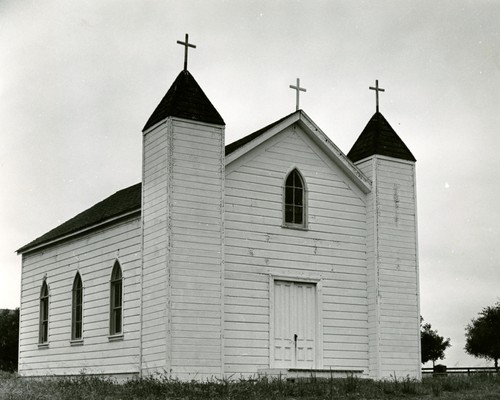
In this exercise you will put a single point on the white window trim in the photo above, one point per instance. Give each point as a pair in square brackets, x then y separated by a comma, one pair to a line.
[289, 225]
[76, 341]
[116, 335]
[46, 343]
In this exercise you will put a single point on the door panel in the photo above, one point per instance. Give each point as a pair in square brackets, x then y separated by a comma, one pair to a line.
[294, 324]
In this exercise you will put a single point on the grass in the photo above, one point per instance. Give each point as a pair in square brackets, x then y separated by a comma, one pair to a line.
[456, 387]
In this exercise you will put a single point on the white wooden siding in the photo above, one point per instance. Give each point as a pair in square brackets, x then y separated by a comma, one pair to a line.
[333, 248]
[155, 211]
[196, 252]
[399, 328]
[93, 256]
[392, 268]
[183, 256]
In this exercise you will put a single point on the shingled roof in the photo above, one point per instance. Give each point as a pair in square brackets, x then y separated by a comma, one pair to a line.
[248, 138]
[120, 203]
[185, 99]
[378, 137]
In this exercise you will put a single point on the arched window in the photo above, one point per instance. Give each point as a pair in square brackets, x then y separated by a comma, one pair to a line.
[294, 207]
[43, 334]
[77, 309]
[116, 315]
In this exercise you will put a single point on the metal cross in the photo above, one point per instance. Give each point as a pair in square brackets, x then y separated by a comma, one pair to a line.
[298, 89]
[377, 89]
[186, 44]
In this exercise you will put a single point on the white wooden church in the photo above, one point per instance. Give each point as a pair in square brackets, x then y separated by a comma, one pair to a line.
[275, 254]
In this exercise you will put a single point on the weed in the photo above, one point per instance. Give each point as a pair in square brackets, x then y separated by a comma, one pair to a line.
[437, 388]
[163, 386]
[350, 384]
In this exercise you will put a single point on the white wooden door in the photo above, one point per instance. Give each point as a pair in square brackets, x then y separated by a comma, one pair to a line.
[294, 324]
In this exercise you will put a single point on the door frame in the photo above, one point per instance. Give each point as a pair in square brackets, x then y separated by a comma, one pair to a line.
[318, 282]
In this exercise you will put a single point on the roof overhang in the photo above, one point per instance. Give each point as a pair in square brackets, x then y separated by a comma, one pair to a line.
[81, 232]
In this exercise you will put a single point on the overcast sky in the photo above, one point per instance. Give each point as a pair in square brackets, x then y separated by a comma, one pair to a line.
[78, 80]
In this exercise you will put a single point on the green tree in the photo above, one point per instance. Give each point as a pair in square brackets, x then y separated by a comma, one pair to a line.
[9, 339]
[483, 334]
[432, 345]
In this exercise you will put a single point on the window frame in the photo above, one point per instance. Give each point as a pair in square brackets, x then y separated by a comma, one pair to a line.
[115, 309]
[77, 309]
[44, 311]
[285, 223]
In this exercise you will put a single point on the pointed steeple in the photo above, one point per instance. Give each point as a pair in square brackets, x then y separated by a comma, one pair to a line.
[185, 99]
[378, 137]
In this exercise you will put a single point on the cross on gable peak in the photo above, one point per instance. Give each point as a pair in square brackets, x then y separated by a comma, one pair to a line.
[298, 89]
[186, 44]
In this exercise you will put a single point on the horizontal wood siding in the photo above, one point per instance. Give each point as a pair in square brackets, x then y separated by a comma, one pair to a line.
[155, 214]
[399, 315]
[367, 167]
[196, 253]
[332, 250]
[392, 268]
[93, 256]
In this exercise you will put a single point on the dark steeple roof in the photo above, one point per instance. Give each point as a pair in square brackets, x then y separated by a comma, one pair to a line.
[378, 137]
[185, 99]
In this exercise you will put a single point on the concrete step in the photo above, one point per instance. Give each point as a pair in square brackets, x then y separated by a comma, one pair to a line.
[299, 373]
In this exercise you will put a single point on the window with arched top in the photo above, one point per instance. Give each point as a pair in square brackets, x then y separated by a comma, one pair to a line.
[294, 201]
[77, 309]
[116, 292]
[43, 333]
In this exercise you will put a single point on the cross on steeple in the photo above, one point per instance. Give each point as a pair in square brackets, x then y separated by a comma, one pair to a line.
[377, 89]
[298, 89]
[186, 44]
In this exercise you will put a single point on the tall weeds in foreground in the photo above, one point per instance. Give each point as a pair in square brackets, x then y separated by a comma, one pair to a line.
[478, 387]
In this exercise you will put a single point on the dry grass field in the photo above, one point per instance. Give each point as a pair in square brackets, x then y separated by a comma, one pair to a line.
[477, 387]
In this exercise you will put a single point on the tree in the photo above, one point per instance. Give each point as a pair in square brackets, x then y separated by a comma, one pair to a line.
[9, 339]
[482, 335]
[432, 345]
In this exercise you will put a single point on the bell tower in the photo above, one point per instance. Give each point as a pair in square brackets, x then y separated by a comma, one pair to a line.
[183, 227]
[392, 253]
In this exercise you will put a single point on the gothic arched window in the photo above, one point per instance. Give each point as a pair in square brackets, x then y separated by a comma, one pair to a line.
[116, 315]
[295, 200]
[77, 308]
[43, 333]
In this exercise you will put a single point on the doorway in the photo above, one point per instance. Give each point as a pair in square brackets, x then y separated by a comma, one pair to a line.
[294, 322]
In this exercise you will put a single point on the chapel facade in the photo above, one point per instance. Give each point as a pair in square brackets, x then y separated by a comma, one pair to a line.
[275, 254]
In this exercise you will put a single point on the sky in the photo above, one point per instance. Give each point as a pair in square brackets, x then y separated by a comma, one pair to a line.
[78, 81]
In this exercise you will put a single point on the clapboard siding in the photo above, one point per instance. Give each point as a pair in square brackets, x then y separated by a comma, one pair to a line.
[93, 256]
[398, 309]
[332, 249]
[155, 211]
[183, 230]
[183, 180]
[392, 268]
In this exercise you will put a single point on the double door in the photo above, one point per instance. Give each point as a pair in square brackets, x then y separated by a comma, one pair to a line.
[294, 323]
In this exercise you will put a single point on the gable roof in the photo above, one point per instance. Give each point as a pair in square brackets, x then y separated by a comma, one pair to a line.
[185, 99]
[378, 137]
[129, 200]
[122, 202]
[248, 138]
[246, 144]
